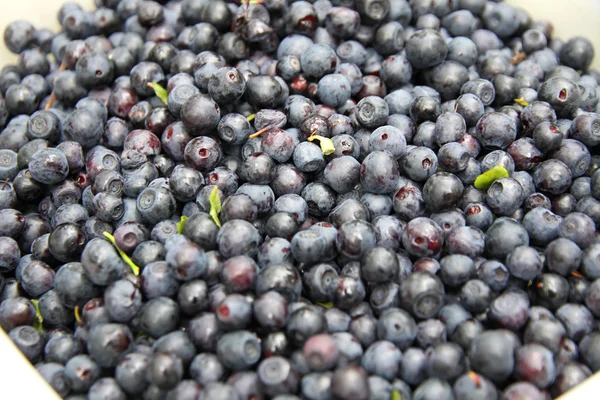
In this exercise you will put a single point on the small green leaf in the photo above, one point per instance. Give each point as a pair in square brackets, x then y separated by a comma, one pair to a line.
[521, 101]
[215, 205]
[140, 334]
[39, 320]
[327, 146]
[160, 91]
[485, 180]
[396, 395]
[325, 304]
[124, 256]
[78, 316]
[181, 224]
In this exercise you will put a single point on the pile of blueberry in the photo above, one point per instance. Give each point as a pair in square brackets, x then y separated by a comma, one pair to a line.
[279, 199]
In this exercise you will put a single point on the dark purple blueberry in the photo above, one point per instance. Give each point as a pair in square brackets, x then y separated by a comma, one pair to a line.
[571, 375]
[379, 265]
[491, 354]
[426, 48]
[350, 382]
[283, 278]
[548, 332]
[238, 350]
[577, 319]
[159, 316]
[379, 172]
[589, 352]
[263, 91]
[355, 238]
[277, 376]
[535, 364]
[107, 342]
[372, 112]
[579, 228]
[495, 130]
[304, 323]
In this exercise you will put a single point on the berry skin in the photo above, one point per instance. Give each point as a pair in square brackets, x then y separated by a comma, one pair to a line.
[300, 201]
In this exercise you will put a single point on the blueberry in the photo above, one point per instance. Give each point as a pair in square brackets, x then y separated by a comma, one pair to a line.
[535, 356]
[187, 261]
[16, 311]
[379, 172]
[54, 375]
[19, 35]
[447, 361]
[579, 228]
[62, 348]
[263, 91]
[49, 166]
[107, 342]
[321, 352]
[426, 48]
[101, 262]
[577, 53]
[577, 320]
[571, 375]
[396, 71]
[238, 237]
[28, 341]
[159, 316]
[474, 386]
[342, 173]
[334, 89]
[122, 300]
[106, 387]
[350, 382]
[379, 265]
[10, 254]
[431, 332]
[303, 324]
[155, 204]
[316, 384]
[355, 238]
[73, 286]
[372, 112]
[585, 129]
[496, 346]
[278, 144]
[158, 280]
[348, 210]
[81, 372]
[21, 99]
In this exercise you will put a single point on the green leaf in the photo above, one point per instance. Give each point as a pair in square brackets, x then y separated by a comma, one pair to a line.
[181, 224]
[521, 101]
[78, 316]
[160, 91]
[124, 256]
[39, 320]
[325, 304]
[396, 395]
[327, 146]
[215, 205]
[485, 180]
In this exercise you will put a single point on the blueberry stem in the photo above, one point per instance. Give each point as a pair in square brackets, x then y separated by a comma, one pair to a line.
[52, 99]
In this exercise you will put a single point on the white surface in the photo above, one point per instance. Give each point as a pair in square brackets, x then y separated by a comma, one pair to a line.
[18, 378]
